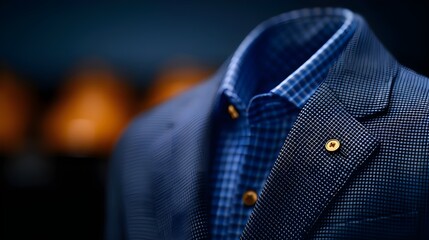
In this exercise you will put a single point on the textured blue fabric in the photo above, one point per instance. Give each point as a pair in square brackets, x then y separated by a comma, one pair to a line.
[376, 186]
[271, 76]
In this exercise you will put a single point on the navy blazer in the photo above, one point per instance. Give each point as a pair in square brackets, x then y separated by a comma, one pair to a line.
[374, 187]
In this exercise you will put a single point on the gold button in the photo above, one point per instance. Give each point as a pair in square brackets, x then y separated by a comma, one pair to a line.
[249, 198]
[332, 145]
[233, 112]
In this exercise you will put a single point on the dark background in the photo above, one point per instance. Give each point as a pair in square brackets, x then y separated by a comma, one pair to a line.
[60, 194]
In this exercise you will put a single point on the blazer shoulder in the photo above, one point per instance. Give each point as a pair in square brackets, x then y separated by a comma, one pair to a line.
[149, 125]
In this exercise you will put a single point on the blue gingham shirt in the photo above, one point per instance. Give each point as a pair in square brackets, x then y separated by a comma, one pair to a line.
[270, 77]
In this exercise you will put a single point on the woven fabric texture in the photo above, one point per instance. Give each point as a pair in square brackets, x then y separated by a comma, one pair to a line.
[375, 186]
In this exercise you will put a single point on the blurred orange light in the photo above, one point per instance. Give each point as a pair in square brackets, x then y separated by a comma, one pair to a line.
[16, 105]
[93, 109]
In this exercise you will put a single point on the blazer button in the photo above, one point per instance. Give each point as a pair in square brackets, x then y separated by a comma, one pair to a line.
[332, 145]
[233, 113]
[249, 198]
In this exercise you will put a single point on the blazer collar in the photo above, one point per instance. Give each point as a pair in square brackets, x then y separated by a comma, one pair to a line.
[305, 177]
[362, 77]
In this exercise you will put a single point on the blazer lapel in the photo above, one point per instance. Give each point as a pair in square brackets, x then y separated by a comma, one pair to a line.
[306, 177]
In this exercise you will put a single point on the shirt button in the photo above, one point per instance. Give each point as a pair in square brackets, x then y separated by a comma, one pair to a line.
[332, 145]
[249, 198]
[233, 113]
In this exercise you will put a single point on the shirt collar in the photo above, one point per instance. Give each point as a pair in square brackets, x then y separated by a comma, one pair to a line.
[288, 55]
